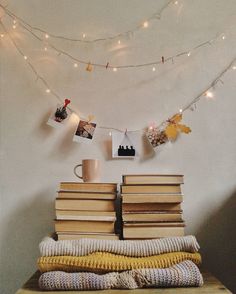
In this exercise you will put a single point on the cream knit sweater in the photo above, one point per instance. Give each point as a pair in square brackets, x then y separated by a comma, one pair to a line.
[184, 274]
[133, 248]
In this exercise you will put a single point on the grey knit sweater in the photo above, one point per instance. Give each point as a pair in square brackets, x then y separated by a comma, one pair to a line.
[140, 248]
[184, 274]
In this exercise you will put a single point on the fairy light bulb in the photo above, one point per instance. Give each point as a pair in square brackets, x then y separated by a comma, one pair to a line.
[110, 134]
[223, 37]
[84, 35]
[14, 24]
[145, 24]
[2, 35]
[209, 94]
[176, 2]
[180, 110]
[152, 126]
[46, 36]
[45, 49]
[153, 69]
[115, 69]
[75, 65]
[25, 57]
[119, 42]
[189, 54]
[48, 91]
[234, 67]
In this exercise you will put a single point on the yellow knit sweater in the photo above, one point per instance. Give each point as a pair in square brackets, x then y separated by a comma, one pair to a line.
[107, 262]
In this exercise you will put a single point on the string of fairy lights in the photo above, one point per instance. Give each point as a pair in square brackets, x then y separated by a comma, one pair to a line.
[90, 65]
[18, 22]
[84, 36]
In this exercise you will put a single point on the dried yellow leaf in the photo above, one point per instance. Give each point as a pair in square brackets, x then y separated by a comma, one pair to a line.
[184, 129]
[171, 132]
[91, 117]
[176, 118]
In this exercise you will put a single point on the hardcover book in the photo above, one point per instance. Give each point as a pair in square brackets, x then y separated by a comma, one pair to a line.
[84, 226]
[82, 204]
[150, 189]
[151, 198]
[77, 236]
[89, 187]
[86, 195]
[153, 179]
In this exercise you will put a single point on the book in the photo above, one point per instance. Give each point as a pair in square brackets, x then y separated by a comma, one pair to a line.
[150, 189]
[154, 224]
[86, 195]
[77, 236]
[82, 204]
[152, 198]
[84, 226]
[85, 215]
[152, 217]
[89, 187]
[151, 207]
[151, 232]
[153, 179]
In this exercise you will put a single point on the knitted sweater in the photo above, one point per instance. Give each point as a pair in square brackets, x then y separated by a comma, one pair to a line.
[183, 274]
[140, 248]
[107, 262]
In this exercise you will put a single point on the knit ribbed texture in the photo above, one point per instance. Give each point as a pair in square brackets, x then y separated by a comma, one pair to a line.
[180, 275]
[107, 262]
[141, 248]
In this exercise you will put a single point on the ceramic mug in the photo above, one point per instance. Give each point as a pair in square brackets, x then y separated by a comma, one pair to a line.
[91, 170]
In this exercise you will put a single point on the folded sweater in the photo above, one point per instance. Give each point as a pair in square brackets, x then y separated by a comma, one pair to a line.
[136, 248]
[107, 262]
[183, 274]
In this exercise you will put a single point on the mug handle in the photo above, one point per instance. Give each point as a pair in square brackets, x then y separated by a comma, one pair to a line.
[75, 171]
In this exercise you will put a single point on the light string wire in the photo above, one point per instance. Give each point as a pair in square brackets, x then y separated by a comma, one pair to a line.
[42, 79]
[108, 65]
[194, 101]
[185, 108]
[155, 16]
[32, 67]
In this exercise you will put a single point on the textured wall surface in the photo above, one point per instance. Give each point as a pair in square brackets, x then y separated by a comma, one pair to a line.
[35, 157]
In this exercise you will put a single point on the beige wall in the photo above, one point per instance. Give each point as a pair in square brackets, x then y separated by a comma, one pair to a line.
[35, 157]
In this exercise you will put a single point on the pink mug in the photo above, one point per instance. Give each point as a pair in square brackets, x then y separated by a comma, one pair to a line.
[91, 170]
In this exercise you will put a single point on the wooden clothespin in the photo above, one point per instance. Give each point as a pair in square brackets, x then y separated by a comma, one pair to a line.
[90, 118]
[163, 59]
[107, 65]
[89, 67]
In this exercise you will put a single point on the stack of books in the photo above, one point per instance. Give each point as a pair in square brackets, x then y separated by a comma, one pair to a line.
[151, 206]
[86, 210]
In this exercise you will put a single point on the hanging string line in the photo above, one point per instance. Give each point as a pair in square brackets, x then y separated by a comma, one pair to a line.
[155, 16]
[109, 66]
[32, 67]
[203, 93]
[54, 93]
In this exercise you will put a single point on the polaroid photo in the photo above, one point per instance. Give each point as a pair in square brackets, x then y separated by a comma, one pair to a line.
[125, 144]
[59, 117]
[84, 132]
[156, 137]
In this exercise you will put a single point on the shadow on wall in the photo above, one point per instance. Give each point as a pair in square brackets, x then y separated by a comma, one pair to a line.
[64, 143]
[20, 239]
[218, 243]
